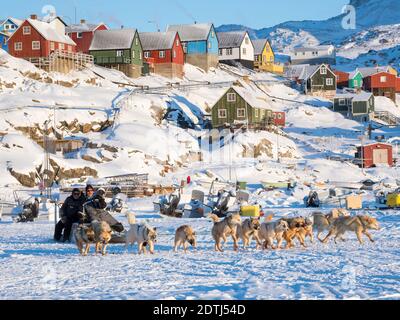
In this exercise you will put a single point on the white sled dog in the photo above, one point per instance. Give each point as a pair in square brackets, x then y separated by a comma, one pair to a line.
[143, 234]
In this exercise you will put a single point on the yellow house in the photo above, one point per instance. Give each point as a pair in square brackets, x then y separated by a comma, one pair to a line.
[264, 57]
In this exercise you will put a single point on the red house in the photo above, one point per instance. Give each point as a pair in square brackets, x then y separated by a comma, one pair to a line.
[381, 84]
[82, 34]
[398, 85]
[163, 52]
[279, 118]
[38, 39]
[342, 79]
[375, 154]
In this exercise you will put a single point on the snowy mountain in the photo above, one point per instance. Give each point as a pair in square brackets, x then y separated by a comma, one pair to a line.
[377, 28]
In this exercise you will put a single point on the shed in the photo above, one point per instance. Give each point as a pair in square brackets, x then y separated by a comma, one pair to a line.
[375, 154]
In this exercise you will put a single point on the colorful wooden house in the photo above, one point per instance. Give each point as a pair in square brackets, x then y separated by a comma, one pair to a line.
[315, 55]
[239, 106]
[118, 49]
[83, 34]
[164, 54]
[318, 80]
[355, 106]
[236, 48]
[38, 39]
[200, 44]
[381, 84]
[264, 57]
[342, 79]
[355, 80]
[398, 84]
[3, 41]
[375, 154]
[7, 28]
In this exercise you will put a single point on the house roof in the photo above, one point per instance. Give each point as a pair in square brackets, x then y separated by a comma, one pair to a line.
[192, 32]
[369, 71]
[49, 32]
[82, 27]
[313, 48]
[356, 97]
[14, 20]
[230, 39]
[113, 39]
[157, 40]
[259, 46]
[52, 18]
[354, 73]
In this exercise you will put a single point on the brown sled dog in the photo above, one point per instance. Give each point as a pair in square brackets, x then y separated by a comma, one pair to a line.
[184, 236]
[225, 228]
[249, 229]
[359, 224]
[97, 232]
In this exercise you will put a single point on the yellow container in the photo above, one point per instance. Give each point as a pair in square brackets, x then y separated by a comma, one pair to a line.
[250, 211]
[393, 200]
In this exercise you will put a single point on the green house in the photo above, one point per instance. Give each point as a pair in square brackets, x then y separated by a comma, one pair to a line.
[239, 106]
[355, 80]
[118, 49]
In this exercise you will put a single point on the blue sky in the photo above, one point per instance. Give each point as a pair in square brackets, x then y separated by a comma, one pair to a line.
[134, 13]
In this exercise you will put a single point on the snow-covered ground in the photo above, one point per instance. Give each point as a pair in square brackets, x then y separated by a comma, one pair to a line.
[33, 267]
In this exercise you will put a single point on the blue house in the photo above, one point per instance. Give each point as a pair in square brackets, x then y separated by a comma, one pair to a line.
[3, 41]
[200, 43]
[7, 28]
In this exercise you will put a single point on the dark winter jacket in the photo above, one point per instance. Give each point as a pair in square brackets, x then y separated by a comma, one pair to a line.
[71, 208]
[96, 202]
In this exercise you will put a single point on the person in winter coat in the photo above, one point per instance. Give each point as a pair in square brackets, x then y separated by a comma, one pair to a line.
[70, 212]
[95, 207]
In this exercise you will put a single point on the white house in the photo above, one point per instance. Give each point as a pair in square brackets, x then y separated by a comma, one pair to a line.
[236, 48]
[314, 55]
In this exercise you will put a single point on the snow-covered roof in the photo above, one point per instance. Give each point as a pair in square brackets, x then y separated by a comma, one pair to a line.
[113, 39]
[50, 33]
[369, 71]
[17, 22]
[157, 40]
[82, 27]
[302, 71]
[354, 73]
[259, 46]
[230, 39]
[361, 96]
[192, 32]
[314, 48]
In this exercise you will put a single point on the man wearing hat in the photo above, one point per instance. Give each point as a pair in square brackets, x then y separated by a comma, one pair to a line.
[70, 212]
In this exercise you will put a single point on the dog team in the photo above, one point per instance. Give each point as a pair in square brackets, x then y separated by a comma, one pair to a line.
[269, 234]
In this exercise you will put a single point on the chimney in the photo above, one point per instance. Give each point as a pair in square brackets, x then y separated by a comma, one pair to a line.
[34, 16]
[83, 21]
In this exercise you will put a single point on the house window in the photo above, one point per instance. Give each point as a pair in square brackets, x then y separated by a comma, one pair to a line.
[140, 55]
[120, 53]
[231, 97]
[229, 52]
[221, 52]
[279, 116]
[161, 54]
[137, 41]
[329, 82]
[244, 51]
[147, 54]
[177, 42]
[79, 35]
[342, 102]
[222, 114]
[241, 113]
[69, 48]
[383, 79]
[324, 70]
[18, 46]
[256, 113]
[356, 83]
[212, 34]
[133, 54]
[52, 46]
[26, 30]
[247, 41]
[35, 45]
[209, 45]
[61, 46]
[174, 54]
